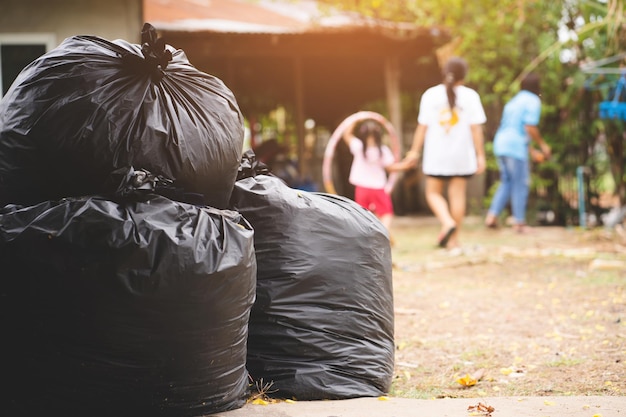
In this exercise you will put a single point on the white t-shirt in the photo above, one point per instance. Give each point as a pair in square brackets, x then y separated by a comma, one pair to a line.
[369, 171]
[448, 144]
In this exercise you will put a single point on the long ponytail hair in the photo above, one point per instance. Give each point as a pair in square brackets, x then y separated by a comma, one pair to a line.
[454, 71]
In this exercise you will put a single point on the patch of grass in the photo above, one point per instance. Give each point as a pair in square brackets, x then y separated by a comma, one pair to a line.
[402, 391]
[603, 278]
[564, 362]
[534, 303]
[475, 355]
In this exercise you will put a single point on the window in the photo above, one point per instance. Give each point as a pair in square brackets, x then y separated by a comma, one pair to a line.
[19, 50]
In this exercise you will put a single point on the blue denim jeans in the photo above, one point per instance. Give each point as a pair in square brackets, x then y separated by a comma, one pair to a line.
[514, 187]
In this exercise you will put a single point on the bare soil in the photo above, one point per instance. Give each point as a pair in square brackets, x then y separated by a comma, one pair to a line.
[539, 314]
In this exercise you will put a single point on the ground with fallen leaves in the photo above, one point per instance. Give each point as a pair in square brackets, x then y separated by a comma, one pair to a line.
[511, 315]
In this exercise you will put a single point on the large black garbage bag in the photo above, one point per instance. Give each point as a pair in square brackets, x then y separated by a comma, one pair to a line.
[322, 323]
[91, 106]
[124, 309]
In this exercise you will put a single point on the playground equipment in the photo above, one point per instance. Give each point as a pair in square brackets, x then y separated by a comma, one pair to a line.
[613, 107]
[582, 195]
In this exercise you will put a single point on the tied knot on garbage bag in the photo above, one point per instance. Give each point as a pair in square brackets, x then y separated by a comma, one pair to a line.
[91, 106]
[250, 166]
[155, 55]
[129, 182]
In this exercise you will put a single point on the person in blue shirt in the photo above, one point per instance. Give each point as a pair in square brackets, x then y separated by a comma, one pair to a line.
[518, 126]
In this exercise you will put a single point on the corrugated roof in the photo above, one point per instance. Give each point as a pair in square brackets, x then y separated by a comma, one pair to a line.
[253, 16]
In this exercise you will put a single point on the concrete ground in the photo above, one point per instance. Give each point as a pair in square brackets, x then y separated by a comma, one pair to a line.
[596, 406]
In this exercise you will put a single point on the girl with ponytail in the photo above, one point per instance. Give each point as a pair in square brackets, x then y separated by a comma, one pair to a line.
[372, 162]
[449, 140]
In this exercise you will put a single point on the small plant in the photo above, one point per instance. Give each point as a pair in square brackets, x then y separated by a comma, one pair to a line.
[263, 390]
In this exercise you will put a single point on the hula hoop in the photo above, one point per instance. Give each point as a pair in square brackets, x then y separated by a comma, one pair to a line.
[329, 153]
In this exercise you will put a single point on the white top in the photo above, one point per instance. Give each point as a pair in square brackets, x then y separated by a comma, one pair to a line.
[369, 171]
[448, 144]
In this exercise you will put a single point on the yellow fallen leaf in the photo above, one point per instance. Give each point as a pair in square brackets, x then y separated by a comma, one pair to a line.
[506, 371]
[288, 401]
[259, 401]
[597, 415]
[546, 402]
[383, 398]
[467, 381]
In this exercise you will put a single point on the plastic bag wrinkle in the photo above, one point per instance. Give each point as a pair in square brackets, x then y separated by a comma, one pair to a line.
[133, 308]
[322, 323]
[79, 112]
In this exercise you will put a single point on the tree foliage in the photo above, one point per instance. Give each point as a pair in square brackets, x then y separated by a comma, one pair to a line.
[598, 34]
[505, 39]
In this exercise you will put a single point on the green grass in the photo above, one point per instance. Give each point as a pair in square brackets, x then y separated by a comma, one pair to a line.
[564, 362]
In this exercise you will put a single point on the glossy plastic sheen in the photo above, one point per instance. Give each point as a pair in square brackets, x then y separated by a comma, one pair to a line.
[322, 324]
[92, 106]
[124, 309]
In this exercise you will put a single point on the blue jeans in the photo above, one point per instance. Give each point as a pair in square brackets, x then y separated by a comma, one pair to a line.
[514, 187]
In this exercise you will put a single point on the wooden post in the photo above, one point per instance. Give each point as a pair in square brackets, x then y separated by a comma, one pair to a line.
[300, 129]
[394, 102]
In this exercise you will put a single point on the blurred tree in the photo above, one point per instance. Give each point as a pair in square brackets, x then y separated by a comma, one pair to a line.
[505, 39]
[597, 34]
[497, 37]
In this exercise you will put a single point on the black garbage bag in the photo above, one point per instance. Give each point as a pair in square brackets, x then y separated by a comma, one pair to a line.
[136, 308]
[92, 106]
[322, 323]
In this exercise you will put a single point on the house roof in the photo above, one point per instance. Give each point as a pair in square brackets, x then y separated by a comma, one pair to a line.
[297, 51]
[261, 16]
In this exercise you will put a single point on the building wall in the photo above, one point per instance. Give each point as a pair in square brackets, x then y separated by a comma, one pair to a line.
[59, 19]
[29, 28]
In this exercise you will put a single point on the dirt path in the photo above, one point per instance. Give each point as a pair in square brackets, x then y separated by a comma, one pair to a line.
[538, 314]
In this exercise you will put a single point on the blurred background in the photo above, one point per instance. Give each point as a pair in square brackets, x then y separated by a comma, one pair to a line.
[299, 68]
